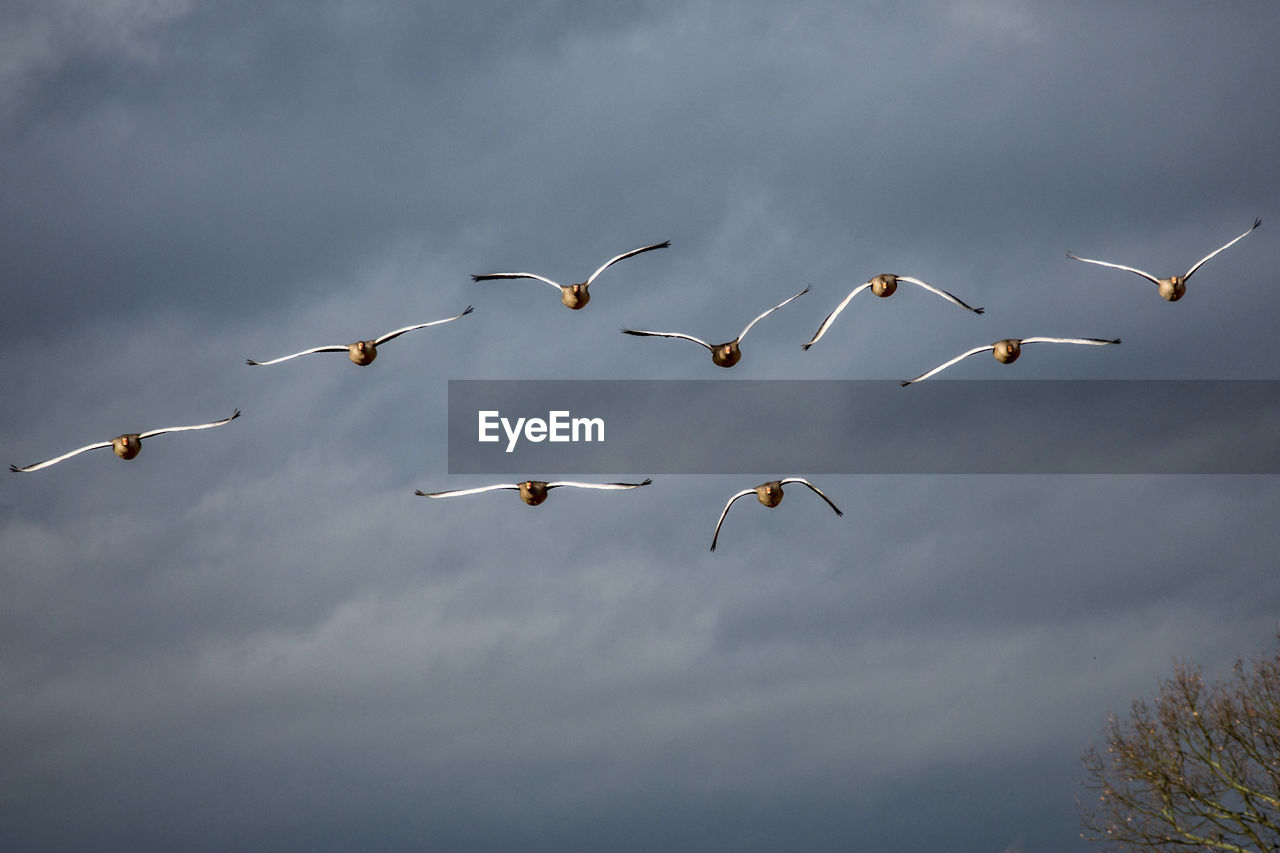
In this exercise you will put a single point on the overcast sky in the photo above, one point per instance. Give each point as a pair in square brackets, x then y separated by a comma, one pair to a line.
[258, 637]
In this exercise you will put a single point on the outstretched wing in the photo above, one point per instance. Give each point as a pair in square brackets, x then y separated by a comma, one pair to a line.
[1095, 342]
[646, 482]
[770, 311]
[457, 492]
[815, 489]
[155, 432]
[1145, 275]
[947, 296]
[55, 460]
[1256, 223]
[831, 318]
[741, 494]
[640, 333]
[496, 275]
[398, 332]
[626, 255]
[947, 364]
[334, 348]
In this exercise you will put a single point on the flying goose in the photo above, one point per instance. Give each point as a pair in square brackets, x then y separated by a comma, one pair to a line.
[532, 492]
[361, 352]
[1173, 287]
[769, 494]
[573, 295]
[725, 355]
[884, 287]
[125, 446]
[1008, 350]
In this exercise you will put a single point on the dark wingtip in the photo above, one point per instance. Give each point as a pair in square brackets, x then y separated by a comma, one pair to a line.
[713, 546]
[666, 244]
[1116, 341]
[904, 383]
[647, 481]
[1257, 222]
[477, 278]
[839, 513]
[251, 361]
[979, 310]
[420, 493]
[805, 347]
[15, 469]
[630, 332]
[234, 415]
[468, 311]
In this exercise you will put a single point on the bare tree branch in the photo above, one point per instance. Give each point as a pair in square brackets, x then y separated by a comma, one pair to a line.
[1199, 769]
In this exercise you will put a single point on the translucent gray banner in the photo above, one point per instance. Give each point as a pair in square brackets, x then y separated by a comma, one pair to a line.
[590, 427]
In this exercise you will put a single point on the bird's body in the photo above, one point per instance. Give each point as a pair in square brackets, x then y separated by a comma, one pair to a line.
[769, 494]
[575, 296]
[1175, 286]
[361, 352]
[726, 354]
[884, 286]
[1007, 351]
[125, 446]
[532, 492]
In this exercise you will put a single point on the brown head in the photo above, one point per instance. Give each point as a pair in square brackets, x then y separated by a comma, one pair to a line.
[1008, 350]
[727, 355]
[575, 296]
[533, 492]
[362, 352]
[126, 446]
[770, 493]
[1172, 288]
[884, 285]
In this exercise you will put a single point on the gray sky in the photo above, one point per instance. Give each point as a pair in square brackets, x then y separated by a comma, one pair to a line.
[257, 636]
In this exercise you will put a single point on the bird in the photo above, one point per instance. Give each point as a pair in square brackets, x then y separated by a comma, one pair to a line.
[1008, 350]
[574, 296]
[727, 354]
[361, 352]
[769, 494]
[532, 492]
[1173, 287]
[125, 446]
[884, 287]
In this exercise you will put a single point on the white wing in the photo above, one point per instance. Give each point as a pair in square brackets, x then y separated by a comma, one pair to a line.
[947, 296]
[456, 492]
[495, 275]
[831, 318]
[947, 364]
[154, 432]
[815, 489]
[1145, 275]
[741, 494]
[626, 255]
[770, 311]
[668, 335]
[45, 464]
[1096, 342]
[334, 348]
[600, 485]
[398, 332]
[1256, 223]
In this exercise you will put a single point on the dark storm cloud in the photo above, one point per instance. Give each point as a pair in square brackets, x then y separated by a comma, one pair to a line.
[258, 636]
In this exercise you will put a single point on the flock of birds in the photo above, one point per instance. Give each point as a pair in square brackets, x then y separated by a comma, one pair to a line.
[576, 296]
